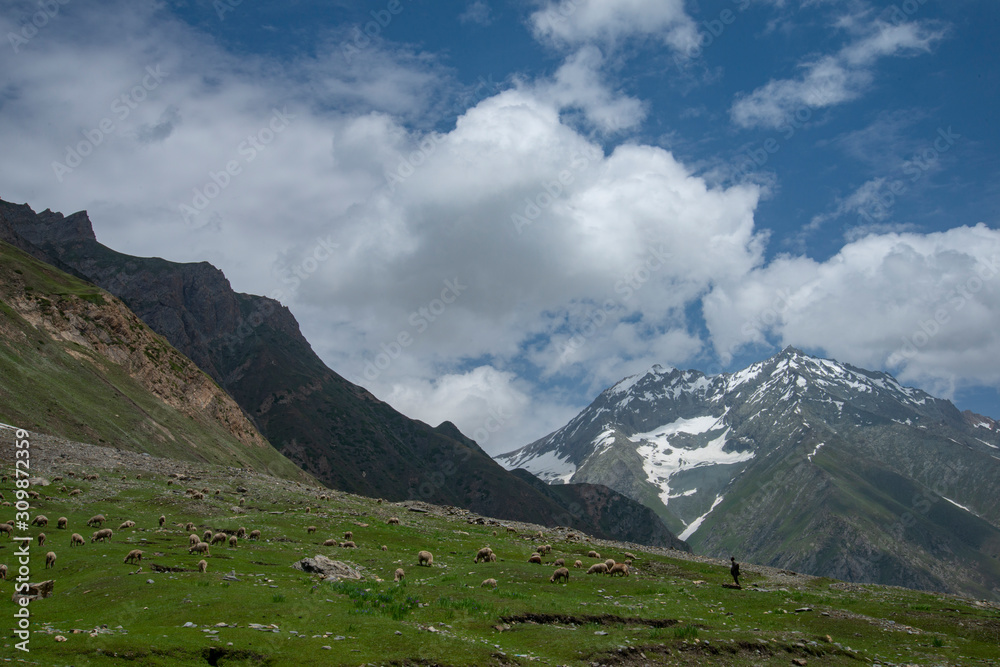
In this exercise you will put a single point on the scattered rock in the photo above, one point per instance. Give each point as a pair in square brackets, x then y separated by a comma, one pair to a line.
[331, 569]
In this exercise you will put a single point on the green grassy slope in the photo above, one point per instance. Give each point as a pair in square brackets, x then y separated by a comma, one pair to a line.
[67, 386]
[672, 610]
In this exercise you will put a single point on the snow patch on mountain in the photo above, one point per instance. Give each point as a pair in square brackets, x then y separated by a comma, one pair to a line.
[548, 467]
[696, 524]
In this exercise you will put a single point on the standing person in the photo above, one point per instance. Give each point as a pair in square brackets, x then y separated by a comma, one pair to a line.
[735, 571]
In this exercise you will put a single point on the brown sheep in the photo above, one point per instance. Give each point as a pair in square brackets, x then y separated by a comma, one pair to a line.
[41, 521]
[203, 566]
[232, 541]
[598, 568]
[610, 563]
[578, 563]
[539, 534]
[559, 562]
[254, 535]
[50, 559]
[41, 539]
[3, 572]
[189, 527]
[7, 528]
[348, 545]
[207, 536]
[126, 524]
[561, 573]
[193, 539]
[630, 556]
[103, 534]
[393, 521]
[97, 519]
[61, 523]
[241, 532]
[619, 568]
[494, 533]
[593, 554]
[425, 558]
[535, 558]
[511, 530]
[201, 547]
[399, 574]
[198, 496]
[348, 535]
[545, 549]
[163, 520]
[330, 543]
[75, 492]
[483, 555]
[491, 583]
[220, 538]
[385, 548]
[133, 556]
[310, 529]
[77, 538]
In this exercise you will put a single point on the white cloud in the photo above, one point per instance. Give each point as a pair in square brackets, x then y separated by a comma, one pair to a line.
[925, 306]
[477, 12]
[833, 79]
[610, 22]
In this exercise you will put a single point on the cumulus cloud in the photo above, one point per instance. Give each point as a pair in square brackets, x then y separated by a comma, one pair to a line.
[925, 306]
[569, 23]
[833, 79]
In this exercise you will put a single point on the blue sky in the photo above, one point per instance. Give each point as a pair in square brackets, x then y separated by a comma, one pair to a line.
[489, 211]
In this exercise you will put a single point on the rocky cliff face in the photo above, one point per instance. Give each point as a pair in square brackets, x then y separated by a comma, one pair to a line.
[54, 325]
[330, 427]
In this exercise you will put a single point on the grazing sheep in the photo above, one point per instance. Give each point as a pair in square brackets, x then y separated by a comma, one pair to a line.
[242, 500]
[189, 527]
[348, 535]
[50, 559]
[61, 522]
[571, 536]
[254, 535]
[593, 554]
[163, 520]
[535, 558]
[483, 555]
[399, 574]
[628, 561]
[201, 547]
[97, 519]
[310, 529]
[198, 496]
[511, 530]
[610, 563]
[491, 582]
[425, 558]
[241, 532]
[3, 572]
[385, 548]
[539, 534]
[393, 521]
[102, 535]
[493, 558]
[598, 568]
[578, 563]
[561, 573]
[75, 492]
[630, 556]
[203, 566]
[545, 549]
[77, 538]
[193, 539]
[220, 538]
[41, 521]
[559, 562]
[41, 539]
[348, 545]
[232, 541]
[133, 556]
[494, 533]
[619, 568]
[330, 543]
[207, 536]
[7, 528]
[126, 524]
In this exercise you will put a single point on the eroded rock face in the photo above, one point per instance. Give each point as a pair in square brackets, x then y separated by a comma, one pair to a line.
[331, 569]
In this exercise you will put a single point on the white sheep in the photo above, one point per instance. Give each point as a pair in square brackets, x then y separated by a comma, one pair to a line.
[96, 519]
[578, 563]
[619, 568]
[201, 547]
[220, 538]
[561, 573]
[77, 538]
[598, 568]
[399, 574]
[132, 556]
[62, 521]
[203, 565]
[103, 534]
[50, 559]
[425, 558]
[254, 535]
[490, 583]
[483, 555]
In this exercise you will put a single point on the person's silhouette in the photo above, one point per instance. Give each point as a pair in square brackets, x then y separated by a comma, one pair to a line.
[735, 571]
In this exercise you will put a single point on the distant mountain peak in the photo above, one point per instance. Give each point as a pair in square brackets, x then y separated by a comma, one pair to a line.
[48, 226]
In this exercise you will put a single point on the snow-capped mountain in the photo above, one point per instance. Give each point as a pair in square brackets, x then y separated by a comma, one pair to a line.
[799, 462]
